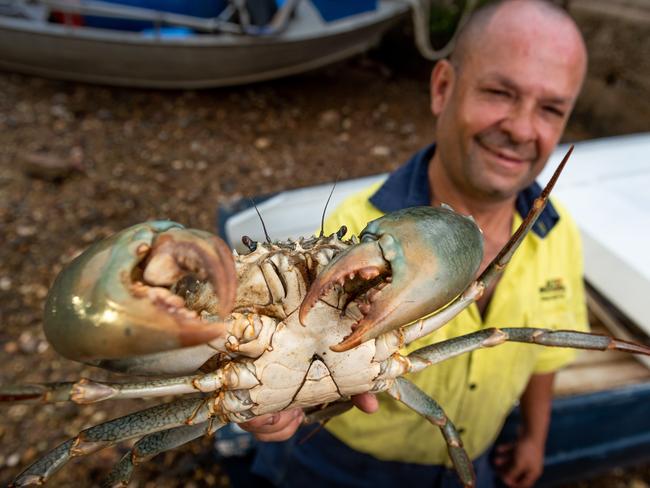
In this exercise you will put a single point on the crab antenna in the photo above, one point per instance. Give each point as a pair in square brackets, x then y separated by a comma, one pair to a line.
[266, 234]
[322, 220]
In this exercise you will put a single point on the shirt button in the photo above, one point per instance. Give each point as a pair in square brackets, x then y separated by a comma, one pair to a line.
[472, 386]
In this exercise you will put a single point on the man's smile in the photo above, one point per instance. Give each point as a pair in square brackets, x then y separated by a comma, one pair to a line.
[506, 159]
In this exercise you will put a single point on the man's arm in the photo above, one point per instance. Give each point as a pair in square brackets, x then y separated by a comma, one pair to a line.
[521, 463]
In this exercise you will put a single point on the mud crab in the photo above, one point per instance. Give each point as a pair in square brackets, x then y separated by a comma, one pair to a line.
[290, 324]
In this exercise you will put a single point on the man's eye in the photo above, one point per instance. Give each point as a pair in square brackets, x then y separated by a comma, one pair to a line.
[554, 111]
[498, 92]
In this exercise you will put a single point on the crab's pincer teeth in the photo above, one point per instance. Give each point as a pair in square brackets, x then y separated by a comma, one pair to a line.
[348, 343]
[365, 260]
[177, 253]
[365, 329]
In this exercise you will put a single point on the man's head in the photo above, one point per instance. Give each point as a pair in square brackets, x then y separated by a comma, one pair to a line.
[501, 102]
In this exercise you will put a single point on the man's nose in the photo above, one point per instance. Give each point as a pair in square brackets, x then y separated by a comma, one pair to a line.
[520, 123]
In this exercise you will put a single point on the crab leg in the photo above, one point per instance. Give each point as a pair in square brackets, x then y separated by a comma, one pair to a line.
[236, 375]
[411, 396]
[441, 351]
[427, 325]
[577, 340]
[41, 470]
[160, 417]
[152, 445]
[324, 413]
[90, 391]
[475, 289]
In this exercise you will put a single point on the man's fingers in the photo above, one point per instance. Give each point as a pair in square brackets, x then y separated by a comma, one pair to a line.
[366, 402]
[502, 448]
[500, 461]
[282, 435]
[273, 422]
[528, 479]
[503, 454]
[513, 476]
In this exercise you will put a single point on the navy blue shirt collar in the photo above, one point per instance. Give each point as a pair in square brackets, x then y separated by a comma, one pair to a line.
[408, 186]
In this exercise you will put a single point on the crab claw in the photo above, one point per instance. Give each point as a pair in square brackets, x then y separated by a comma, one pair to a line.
[115, 300]
[408, 264]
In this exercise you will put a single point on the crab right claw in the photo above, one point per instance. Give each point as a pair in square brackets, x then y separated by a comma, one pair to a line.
[117, 299]
[407, 265]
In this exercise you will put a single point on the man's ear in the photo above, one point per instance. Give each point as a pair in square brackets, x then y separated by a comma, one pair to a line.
[443, 78]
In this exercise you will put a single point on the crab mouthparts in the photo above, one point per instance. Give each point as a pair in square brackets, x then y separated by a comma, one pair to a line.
[362, 276]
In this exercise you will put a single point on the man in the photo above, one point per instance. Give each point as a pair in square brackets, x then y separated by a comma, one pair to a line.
[501, 104]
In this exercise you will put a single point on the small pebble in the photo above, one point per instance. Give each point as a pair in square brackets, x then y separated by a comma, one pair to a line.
[18, 412]
[407, 129]
[262, 143]
[26, 230]
[5, 283]
[29, 454]
[27, 343]
[380, 151]
[13, 460]
[329, 119]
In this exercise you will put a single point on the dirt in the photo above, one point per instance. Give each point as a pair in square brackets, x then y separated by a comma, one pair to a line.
[79, 162]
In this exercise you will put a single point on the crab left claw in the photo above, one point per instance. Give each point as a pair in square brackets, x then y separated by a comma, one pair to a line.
[120, 297]
[407, 265]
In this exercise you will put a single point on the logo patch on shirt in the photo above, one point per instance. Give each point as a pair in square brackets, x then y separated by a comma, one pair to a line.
[553, 289]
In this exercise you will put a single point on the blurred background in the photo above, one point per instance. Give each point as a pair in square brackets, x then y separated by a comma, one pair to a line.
[81, 161]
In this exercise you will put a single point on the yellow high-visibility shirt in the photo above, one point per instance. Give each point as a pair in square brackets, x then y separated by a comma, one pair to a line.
[541, 287]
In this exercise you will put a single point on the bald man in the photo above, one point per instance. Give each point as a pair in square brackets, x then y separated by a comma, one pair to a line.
[500, 105]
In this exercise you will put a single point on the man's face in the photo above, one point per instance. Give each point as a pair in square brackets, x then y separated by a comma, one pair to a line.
[501, 112]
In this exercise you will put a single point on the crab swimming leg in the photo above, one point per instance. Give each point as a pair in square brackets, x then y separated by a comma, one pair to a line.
[187, 411]
[153, 444]
[475, 289]
[234, 376]
[414, 398]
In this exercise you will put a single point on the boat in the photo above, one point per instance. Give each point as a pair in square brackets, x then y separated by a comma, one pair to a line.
[599, 418]
[62, 39]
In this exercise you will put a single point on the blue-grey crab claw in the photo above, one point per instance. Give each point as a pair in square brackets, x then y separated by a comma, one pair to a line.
[117, 298]
[407, 265]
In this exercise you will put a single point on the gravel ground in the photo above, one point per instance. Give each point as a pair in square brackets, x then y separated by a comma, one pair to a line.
[79, 162]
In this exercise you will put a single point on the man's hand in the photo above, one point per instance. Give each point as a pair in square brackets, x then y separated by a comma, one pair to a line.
[278, 427]
[520, 463]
